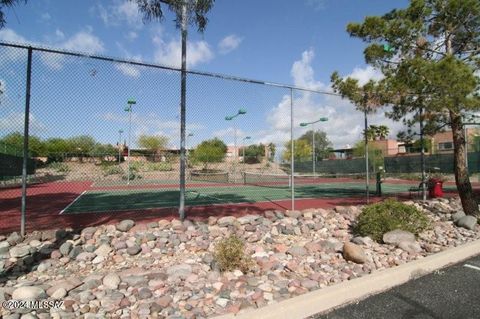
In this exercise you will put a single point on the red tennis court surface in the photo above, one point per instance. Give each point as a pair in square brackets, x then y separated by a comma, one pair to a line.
[45, 201]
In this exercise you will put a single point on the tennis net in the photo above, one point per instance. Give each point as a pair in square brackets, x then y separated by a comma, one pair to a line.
[216, 177]
[284, 180]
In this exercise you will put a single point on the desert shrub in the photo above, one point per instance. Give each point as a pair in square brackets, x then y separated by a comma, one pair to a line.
[111, 169]
[59, 167]
[230, 254]
[377, 219]
[133, 175]
[136, 166]
[158, 167]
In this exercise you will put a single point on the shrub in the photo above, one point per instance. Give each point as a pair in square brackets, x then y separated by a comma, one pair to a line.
[111, 169]
[159, 167]
[133, 175]
[377, 219]
[59, 167]
[230, 255]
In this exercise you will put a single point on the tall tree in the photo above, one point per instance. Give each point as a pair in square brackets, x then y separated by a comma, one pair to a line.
[302, 151]
[187, 12]
[210, 151]
[4, 4]
[154, 143]
[323, 146]
[429, 53]
[382, 132]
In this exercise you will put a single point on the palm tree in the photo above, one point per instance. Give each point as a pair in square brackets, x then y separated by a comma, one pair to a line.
[382, 132]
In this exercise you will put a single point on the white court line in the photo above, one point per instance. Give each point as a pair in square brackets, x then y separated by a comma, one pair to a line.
[63, 210]
[471, 266]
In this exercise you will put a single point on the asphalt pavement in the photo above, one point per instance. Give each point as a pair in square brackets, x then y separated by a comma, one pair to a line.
[449, 293]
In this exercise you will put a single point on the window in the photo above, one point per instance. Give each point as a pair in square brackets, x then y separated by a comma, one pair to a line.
[445, 146]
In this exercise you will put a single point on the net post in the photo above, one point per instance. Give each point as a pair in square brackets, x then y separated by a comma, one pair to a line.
[25, 141]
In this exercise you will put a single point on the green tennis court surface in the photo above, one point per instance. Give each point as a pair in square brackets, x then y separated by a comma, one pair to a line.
[94, 201]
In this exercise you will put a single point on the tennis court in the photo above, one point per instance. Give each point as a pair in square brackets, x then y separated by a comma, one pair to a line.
[255, 188]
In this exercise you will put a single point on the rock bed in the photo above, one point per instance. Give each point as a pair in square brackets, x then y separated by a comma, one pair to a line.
[167, 269]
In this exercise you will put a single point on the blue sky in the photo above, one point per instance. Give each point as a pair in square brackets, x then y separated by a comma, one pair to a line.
[295, 42]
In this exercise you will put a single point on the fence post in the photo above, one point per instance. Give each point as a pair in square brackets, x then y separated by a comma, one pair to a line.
[25, 141]
[183, 98]
[367, 170]
[292, 149]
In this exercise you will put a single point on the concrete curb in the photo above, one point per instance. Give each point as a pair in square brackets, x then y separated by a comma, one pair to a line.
[346, 292]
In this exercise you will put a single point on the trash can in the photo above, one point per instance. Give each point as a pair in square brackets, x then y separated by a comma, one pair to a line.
[378, 190]
[435, 188]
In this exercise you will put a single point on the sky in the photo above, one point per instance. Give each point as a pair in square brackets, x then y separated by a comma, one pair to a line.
[283, 41]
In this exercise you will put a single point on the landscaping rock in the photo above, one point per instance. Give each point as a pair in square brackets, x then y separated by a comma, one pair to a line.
[134, 250]
[395, 237]
[354, 253]
[125, 225]
[468, 222]
[411, 247]
[111, 281]
[14, 239]
[457, 216]
[226, 221]
[103, 250]
[65, 248]
[19, 251]
[28, 293]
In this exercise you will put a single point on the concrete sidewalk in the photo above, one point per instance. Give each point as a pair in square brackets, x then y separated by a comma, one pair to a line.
[324, 300]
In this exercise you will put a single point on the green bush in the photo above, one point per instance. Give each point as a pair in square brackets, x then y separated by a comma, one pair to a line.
[111, 169]
[377, 219]
[230, 255]
[133, 175]
[59, 167]
[158, 167]
[136, 166]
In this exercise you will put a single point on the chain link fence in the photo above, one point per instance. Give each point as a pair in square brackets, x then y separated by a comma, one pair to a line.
[104, 137]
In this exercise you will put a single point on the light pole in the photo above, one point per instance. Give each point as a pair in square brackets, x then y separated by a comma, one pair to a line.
[128, 109]
[243, 150]
[119, 147]
[314, 157]
[230, 118]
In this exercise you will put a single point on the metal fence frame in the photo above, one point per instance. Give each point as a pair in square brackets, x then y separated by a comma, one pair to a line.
[31, 49]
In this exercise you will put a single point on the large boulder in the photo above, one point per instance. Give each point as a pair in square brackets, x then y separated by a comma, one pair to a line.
[395, 237]
[28, 293]
[468, 222]
[354, 253]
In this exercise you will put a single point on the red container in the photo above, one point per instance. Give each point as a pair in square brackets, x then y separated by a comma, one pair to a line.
[435, 188]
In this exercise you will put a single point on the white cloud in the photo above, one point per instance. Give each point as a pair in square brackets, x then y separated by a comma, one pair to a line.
[228, 134]
[363, 75]
[120, 12]
[45, 16]
[84, 41]
[128, 70]
[9, 35]
[131, 35]
[152, 124]
[302, 72]
[345, 124]
[15, 120]
[59, 34]
[169, 53]
[229, 43]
